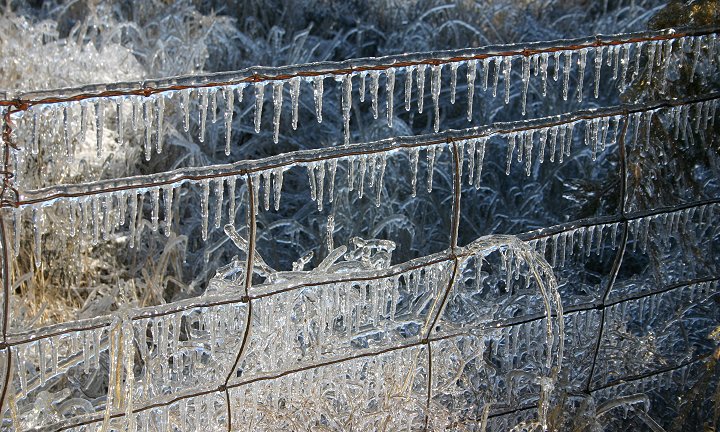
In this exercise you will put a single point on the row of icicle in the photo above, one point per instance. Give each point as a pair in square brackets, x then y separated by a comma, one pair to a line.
[97, 216]
[147, 114]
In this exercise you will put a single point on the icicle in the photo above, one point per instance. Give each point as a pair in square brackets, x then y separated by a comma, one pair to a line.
[542, 141]
[167, 201]
[361, 86]
[17, 225]
[421, 86]
[84, 120]
[132, 215]
[624, 64]
[229, 110]
[66, 129]
[380, 174]
[414, 157]
[408, 86]
[479, 163]
[581, 74]
[231, 199]
[37, 220]
[331, 183]
[528, 151]
[471, 72]
[638, 55]
[213, 103]
[431, 167]
[320, 185]
[203, 112]
[651, 61]
[277, 185]
[598, 65]
[96, 217]
[311, 178]
[351, 172]
[496, 76]
[374, 85]
[259, 101]
[35, 148]
[329, 230]
[544, 62]
[486, 72]
[294, 99]
[204, 204]
[346, 105]
[160, 118]
[436, 76]
[390, 98]
[614, 53]
[155, 196]
[185, 104]
[697, 49]
[318, 94]
[471, 159]
[147, 124]
[511, 148]
[219, 195]
[506, 78]
[525, 81]
[566, 71]
[277, 106]
[361, 176]
[569, 139]
[453, 81]
[556, 70]
[100, 125]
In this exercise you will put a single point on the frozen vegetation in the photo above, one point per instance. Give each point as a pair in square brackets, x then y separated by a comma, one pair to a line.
[363, 215]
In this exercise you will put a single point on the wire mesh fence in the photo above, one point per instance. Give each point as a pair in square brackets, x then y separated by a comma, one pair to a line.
[561, 322]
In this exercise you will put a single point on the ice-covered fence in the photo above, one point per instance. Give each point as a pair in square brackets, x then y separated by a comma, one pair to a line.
[469, 336]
